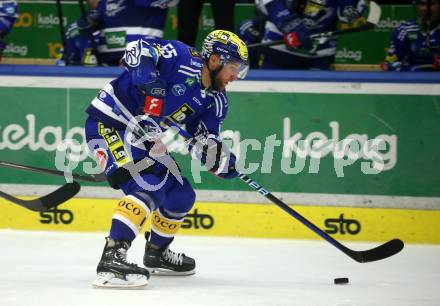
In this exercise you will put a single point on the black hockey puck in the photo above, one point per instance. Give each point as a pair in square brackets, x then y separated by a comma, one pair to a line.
[341, 281]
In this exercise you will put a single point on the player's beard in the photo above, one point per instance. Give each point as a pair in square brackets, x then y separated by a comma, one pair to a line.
[219, 85]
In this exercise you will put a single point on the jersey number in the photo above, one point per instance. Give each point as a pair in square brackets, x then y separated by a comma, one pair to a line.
[168, 51]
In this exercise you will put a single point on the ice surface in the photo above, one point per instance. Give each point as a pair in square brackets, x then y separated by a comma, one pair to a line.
[54, 268]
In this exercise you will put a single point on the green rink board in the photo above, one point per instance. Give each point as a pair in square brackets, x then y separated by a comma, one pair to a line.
[37, 118]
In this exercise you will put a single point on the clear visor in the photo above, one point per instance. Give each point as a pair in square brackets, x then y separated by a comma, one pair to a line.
[240, 69]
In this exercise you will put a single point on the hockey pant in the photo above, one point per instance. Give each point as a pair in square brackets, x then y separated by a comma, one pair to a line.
[156, 191]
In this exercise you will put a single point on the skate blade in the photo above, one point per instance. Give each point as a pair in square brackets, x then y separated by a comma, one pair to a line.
[166, 272]
[111, 281]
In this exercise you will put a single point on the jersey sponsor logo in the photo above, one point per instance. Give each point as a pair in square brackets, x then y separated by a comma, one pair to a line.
[164, 225]
[190, 81]
[182, 113]
[120, 156]
[412, 35]
[129, 205]
[116, 147]
[102, 129]
[196, 63]
[153, 106]
[115, 39]
[178, 90]
[157, 91]
[197, 101]
[111, 138]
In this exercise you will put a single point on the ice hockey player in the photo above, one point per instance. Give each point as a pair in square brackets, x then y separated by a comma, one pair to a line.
[294, 21]
[81, 39]
[415, 44]
[8, 16]
[107, 28]
[163, 80]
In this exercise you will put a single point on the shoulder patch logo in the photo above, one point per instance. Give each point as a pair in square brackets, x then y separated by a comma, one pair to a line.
[132, 54]
[102, 95]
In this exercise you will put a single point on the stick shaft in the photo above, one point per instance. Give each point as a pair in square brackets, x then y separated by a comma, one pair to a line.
[383, 251]
[87, 178]
[365, 27]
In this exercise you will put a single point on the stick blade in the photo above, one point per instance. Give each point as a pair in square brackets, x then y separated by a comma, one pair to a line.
[374, 13]
[61, 195]
[383, 251]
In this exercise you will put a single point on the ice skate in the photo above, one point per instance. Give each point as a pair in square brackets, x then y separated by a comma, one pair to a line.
[115, 272]
[163, 261]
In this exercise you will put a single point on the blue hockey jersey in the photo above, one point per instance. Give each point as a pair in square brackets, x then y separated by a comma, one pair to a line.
[79, 46]
[411, 50]
[122, 21]
[106, 30]
[8, 14]
[179, 67]
[319, 16]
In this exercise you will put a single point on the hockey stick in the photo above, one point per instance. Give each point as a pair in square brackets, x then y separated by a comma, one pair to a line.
[87, 178]
[61, 195]
[383, 251]
[84, 15]
[372, 20]
[61, 23]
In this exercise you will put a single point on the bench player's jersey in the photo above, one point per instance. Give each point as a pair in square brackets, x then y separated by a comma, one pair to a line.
[412, 50]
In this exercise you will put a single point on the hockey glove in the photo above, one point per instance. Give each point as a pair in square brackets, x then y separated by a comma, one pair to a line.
[154, 93]
[296, 33]
[347, 13]
[89, 23]
[215, 156]
[251, 31]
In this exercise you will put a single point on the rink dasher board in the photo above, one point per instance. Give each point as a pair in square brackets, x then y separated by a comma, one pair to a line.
[308, 107]
[243, 220]
[417, 225]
